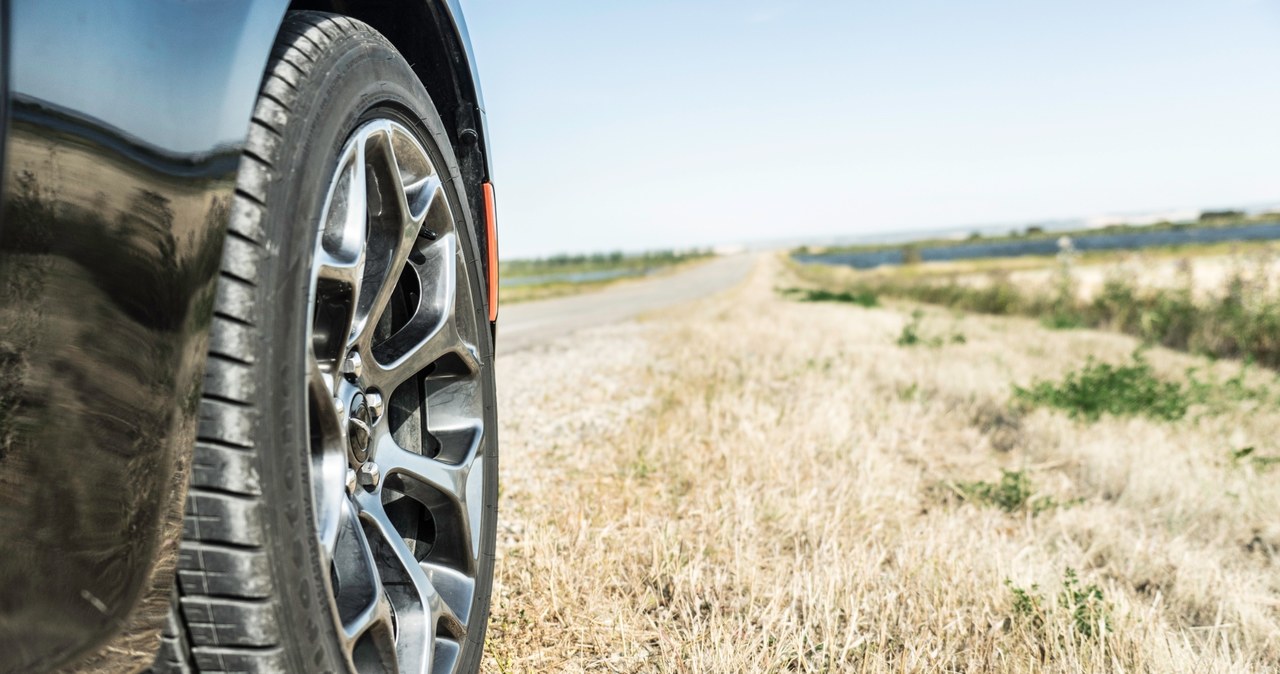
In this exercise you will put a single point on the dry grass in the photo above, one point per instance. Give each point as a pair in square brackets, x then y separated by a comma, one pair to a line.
[1225, 307]
[760, 485]
[1205, 268]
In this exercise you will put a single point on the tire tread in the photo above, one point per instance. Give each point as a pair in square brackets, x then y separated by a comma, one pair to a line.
[225, 616]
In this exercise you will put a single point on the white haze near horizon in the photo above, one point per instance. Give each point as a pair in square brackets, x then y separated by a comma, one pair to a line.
[644, 125]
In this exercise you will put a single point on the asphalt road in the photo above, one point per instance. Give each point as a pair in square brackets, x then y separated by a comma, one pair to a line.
[523, 325]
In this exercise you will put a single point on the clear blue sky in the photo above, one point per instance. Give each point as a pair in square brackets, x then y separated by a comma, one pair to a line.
[665, 123]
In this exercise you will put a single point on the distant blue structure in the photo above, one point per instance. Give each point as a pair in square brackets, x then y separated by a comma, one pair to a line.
[1049, 246]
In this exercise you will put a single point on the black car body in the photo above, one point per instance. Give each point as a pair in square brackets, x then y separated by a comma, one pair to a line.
[123, 126]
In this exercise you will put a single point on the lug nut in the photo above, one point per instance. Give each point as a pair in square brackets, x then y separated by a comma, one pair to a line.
[352, 366]
[351, 481]
[368, 475]
[374, 400]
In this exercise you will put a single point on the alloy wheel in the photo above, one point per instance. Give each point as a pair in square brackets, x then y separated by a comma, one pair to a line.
[396, 408]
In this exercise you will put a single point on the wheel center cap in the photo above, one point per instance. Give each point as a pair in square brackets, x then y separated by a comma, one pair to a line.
[359, 423]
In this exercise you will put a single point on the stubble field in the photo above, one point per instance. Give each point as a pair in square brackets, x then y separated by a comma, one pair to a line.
[756, 484]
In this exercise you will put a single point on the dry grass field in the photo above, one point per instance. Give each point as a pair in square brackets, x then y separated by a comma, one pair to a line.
[757, 484]
[1205, 269]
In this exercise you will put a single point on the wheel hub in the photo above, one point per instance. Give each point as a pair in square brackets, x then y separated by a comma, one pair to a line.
[359, 425]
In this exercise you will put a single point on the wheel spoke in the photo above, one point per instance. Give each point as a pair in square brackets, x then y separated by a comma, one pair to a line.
[376, 627]
[428, 480]
[340, 254]
[421, 194]
[361, 599]
[376, 614]
[364, 612]
[344, 234]
[432, 332]
[443, 342]
[406, 579]
[448, 479]
[390, 205]
[341, 272]
[320, 387]
[455, 588]
[327, 463]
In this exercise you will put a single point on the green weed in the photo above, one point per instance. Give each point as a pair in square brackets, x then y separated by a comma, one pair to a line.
[1102, 388]
[1028, 605]
[1013, 493]
[1249, 455]
[911, 334]
[1063, 320]
[1086, 610]
[1221, 395]
[1089, 610]
[862, 298]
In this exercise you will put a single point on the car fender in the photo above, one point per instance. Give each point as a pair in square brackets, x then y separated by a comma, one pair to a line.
[126, 120]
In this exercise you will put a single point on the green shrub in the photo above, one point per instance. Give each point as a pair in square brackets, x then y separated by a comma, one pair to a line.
[1116, 306]
[1063, 320]
[1240, 322]
[862, 298]
[1220, 396]
[910, 335]
[1248, 455]
[1084, 607]
[1102, 388]
[1089, 610]
[1169, 319]
[1013, 493]
[1028, 605]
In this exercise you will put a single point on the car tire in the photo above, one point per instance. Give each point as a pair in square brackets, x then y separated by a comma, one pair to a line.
[343, 500]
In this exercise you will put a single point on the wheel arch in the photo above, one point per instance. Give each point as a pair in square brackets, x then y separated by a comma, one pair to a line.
[432, 36]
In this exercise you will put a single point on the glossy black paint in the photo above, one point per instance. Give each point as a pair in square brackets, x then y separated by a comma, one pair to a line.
[125, 125]
[125, 122]
[4, 83]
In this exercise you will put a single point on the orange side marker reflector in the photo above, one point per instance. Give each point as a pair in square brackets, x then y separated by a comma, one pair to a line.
[491, 229]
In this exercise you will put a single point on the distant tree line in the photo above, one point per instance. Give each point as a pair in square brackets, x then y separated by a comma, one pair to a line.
[613, 257]
[1211, 216]
[601, 260]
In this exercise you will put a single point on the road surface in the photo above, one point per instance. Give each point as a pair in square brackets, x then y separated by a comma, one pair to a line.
[528, 323]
